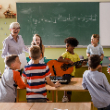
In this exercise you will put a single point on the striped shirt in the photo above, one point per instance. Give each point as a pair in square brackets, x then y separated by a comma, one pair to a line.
[36, 74]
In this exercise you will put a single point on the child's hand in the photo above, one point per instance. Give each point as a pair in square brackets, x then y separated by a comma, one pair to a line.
[57, 84]
[84, 63]
[108, 69]
[70, 62]
[99, 67]
[101, 57]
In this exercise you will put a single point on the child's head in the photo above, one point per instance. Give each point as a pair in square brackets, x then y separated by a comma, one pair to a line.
[37, 40]
[94, 39]
[94, 61]
[13, 62]
[71, 42]
[35, 52]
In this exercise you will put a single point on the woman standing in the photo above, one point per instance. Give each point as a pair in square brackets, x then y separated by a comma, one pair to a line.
[14, 43]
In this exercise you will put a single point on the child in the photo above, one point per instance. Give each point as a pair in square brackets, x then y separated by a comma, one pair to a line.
[11, 77]
[71, 43]
[38, 41]
[95, 49]
[97, 84]
[34, 76]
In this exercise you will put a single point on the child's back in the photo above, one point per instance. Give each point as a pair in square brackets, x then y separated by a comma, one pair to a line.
[36, 74]
[34, 77]
[98, 86]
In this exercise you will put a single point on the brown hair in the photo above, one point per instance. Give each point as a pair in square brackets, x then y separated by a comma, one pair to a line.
[10, 59]
[33, 43]
[72, 41]
[35, 52]
[94, 61]
[96, 36]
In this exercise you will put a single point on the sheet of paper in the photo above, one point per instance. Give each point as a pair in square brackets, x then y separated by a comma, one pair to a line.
[23, 60]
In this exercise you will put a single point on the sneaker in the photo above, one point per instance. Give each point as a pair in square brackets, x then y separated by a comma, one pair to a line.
[65, 99]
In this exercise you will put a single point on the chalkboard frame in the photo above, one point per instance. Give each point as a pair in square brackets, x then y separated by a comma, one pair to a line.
[58, 45]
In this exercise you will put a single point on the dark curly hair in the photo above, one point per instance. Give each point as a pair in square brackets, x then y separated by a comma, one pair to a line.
[72, 41]
[94, 61]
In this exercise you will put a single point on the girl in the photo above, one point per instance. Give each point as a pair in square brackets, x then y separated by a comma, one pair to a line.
[38, 41]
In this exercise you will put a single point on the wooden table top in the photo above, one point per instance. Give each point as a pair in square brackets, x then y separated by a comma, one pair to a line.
[45, 106]
[74, 85]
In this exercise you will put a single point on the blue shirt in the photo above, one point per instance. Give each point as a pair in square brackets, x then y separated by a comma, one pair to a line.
[10, 46]
[98, 87]
[98, 50]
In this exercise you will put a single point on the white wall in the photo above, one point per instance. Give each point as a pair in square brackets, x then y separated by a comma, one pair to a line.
[104, 24]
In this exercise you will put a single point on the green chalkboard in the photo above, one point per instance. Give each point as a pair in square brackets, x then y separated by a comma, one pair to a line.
[56, 21]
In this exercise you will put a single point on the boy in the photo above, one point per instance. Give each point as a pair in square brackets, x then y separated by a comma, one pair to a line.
[10, 79]
[35, 75]
[97, 84]
[71, 43]
[95, 49]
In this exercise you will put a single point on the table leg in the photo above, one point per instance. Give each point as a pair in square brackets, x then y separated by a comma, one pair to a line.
[17, 98]
[52, 96]
[92, 105]
[56, 96]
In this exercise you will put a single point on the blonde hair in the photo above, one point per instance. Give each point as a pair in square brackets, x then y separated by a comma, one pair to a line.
[95, 36]
[14, 25]
[34, 52]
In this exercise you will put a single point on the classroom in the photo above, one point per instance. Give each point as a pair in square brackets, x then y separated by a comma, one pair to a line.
[53, 51]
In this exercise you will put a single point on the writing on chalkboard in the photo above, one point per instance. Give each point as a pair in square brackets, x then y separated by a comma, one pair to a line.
[62, 18]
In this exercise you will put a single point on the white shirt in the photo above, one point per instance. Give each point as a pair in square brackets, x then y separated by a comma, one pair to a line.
[10, 46]
[98, 50]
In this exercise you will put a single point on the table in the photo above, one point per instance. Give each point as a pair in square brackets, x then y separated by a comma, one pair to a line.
[45, 106]
[74, 85]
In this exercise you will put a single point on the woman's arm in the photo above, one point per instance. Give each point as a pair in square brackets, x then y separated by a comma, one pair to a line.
[5, 48]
